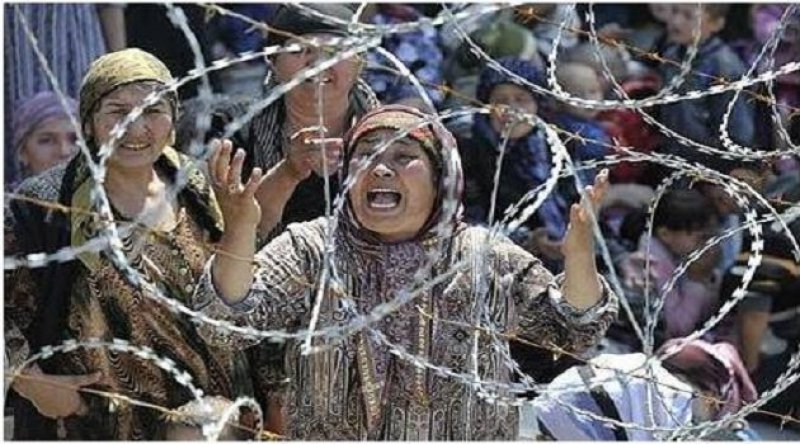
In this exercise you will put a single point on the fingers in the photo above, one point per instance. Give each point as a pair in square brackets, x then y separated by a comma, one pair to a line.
[256, 178]
[235, 172]
[222, 164]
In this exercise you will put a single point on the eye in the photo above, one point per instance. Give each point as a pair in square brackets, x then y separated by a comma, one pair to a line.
[45, 140]
[405, 158]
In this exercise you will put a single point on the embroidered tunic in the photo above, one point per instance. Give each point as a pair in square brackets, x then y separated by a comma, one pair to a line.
[356, 388]
[103, 304]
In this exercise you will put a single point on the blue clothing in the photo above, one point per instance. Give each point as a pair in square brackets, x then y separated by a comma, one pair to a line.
[700, 119]
[419, 51]
[594, 147]
[69, 36]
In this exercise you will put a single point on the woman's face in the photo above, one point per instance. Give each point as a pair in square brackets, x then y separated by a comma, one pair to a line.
[145, 138]
[51, 143]
[395, 194]
[337, 80]
[511, 96]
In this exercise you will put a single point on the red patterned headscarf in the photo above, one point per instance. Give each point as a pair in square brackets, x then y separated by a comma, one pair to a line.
[437, 142]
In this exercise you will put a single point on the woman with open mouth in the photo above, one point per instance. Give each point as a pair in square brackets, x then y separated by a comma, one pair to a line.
[399, 230]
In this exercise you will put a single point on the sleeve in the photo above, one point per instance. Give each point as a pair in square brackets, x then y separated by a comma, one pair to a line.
[542, 314]
[20, 301]
[279, 299]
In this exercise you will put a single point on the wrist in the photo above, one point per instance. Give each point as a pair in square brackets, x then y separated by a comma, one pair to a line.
[291, 175]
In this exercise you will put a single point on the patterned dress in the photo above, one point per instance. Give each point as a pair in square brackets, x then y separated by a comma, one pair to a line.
[99, 302]
[356, 388]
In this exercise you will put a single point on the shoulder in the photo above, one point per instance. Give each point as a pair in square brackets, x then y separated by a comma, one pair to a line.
[309, 234]
[44, 186]
[500, 248]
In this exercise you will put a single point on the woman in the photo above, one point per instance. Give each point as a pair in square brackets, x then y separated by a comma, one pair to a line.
[280, 138]
[166, 240]
[357, 389]
[43, 134]
[68, 35]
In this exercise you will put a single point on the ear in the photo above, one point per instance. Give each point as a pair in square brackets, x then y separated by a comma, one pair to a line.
[171, 141]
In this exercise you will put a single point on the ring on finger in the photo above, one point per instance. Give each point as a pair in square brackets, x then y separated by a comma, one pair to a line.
[234, 188]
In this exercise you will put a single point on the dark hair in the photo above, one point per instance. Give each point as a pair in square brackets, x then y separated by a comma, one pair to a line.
[687, 210]
[717, 10]
[291, 20]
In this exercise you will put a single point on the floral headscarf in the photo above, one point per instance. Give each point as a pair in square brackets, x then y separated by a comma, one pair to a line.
[437, 142]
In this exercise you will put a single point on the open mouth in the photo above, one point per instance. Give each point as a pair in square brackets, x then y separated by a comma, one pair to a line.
[383, 199]
[324, 79]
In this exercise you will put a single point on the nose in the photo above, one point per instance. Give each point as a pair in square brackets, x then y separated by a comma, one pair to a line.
[381, 170]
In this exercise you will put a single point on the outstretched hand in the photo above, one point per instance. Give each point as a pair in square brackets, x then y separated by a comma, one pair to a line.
[237, 201]
[579, 238]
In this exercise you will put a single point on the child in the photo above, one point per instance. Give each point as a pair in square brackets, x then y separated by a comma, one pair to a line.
[526, 163]
[681, 224]
[581, 80]
[700, 119]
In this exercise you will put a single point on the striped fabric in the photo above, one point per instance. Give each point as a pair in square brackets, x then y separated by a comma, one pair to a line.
[70, 37]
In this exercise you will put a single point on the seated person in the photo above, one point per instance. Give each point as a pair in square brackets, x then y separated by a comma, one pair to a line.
[582, 81]
[699, 383]
[526, 163]
[681, 225]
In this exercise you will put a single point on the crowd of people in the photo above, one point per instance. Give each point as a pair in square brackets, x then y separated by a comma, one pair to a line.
[229, 206]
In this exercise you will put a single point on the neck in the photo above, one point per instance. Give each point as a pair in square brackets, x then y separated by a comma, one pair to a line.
[130, 181]
[302, 110]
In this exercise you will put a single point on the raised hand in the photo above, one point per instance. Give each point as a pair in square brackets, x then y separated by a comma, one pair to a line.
[308, 153]
[237, 201]
[582, 287]
[579, 239]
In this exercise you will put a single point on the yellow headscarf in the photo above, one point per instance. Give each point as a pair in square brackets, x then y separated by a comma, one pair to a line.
[119, 68]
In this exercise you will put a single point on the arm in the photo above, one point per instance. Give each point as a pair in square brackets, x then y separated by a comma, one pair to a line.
[577, 314]
[582, 286]
[112, 20]
[303, 157]
[54, 396]
[269, 294]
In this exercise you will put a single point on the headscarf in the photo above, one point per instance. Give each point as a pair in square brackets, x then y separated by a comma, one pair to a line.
[437, 142]
[715, 367]
[530, 153]
[119, 68]
[291, 20]
[34, 111]
[106, 74]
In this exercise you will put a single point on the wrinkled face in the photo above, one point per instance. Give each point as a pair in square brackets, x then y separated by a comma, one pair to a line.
[582, 81]
[395, 194]
[682, 21]
[145, 138]
[514, 97]
[51, 143]
[337, 80]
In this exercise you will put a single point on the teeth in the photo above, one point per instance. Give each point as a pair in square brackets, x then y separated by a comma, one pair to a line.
[135, 147]
[383, 198]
